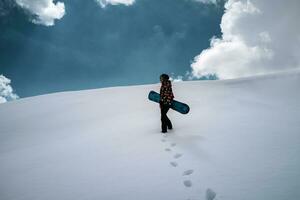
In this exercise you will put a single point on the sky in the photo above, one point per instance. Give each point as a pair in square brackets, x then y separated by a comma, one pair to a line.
[49, 46]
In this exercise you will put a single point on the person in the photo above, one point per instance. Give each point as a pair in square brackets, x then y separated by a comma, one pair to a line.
[166, 98]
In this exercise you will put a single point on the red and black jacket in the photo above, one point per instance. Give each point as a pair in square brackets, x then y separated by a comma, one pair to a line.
[166, 94]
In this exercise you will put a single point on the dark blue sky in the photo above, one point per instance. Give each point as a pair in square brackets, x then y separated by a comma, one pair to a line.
[92, 47]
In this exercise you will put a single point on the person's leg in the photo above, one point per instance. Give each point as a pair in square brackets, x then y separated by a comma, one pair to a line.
[169, 124]
[168, 121]
[164, 118]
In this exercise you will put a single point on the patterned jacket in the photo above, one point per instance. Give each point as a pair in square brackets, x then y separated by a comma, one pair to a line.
[166, 94]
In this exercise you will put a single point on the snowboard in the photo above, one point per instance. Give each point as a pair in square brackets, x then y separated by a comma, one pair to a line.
[176, 105]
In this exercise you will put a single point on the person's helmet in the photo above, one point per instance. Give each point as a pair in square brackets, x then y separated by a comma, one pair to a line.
[164, 76]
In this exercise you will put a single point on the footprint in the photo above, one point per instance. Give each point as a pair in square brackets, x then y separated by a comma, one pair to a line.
[210, 194]
[173, 144]
[163, 140]
[177, 155]
[174, 164]
[187, 183]
[187, 172]
[168, 149]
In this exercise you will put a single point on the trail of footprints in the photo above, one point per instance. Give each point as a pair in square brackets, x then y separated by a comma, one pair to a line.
[186, 183]
[210, 194]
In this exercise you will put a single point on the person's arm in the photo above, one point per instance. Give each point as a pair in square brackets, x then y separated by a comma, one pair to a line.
[162, 93]
[171, 92]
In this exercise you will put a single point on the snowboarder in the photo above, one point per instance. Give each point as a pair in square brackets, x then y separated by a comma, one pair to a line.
[166, 98]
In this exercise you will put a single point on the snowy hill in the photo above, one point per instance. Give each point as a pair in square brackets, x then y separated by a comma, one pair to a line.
[241, 140]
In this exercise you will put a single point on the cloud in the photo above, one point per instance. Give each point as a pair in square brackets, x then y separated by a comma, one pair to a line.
[208, 1]
[45, 12]
[6, 91]
[188, 76]
[176, 79]
[104, 3]
[257, 38]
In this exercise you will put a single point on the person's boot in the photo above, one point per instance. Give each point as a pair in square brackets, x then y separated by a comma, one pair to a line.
[164, 131]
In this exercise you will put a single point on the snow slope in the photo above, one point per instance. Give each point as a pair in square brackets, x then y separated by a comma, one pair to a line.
[241, 140]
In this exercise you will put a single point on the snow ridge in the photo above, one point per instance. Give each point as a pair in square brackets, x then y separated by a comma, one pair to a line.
[239, 141]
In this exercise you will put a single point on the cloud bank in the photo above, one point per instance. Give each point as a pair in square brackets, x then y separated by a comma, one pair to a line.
[6, 91]
[257, 38]
[208, 1]
[104, 3]
[45, 12]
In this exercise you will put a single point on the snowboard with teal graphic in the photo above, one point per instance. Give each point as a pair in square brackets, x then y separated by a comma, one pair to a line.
[176, 105]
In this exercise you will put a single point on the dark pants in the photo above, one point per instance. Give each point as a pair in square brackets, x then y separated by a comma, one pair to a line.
[165, 121]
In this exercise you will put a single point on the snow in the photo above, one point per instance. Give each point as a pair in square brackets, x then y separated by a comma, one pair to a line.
[241, 140]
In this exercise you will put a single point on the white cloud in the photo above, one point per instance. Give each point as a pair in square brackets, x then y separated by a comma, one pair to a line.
[6, 91]
[176, 79]
[104, 3]
[187, 76]
[208, 1]
[45, 12]
[257, 37]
